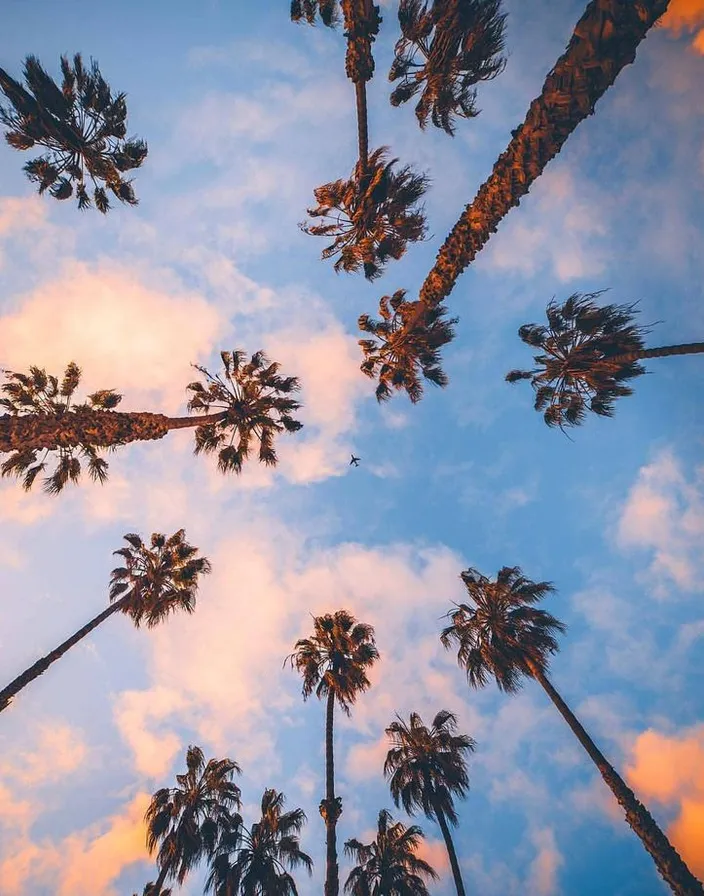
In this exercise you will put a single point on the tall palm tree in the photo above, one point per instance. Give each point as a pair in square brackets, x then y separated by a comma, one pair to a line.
[253, 862]
[389, 865]
[465, 48]
[333, 663]
[427, 769]
[371, 216]
[500, 633]
[154, 583]
[185, 823]
[81, 124]
[605, 40]
[399, 362]
[252, 404]
[589, 353]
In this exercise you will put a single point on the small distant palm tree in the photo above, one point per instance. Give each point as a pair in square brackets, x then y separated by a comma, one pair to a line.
[186, 822]
[371, 215]
[398, 357]
[333, 663]
[589, 354]
[81, 124]
[427, 769]
[252, 404]
[154, 583]
[465, 48]
[500, 634]
[254, 862]
[389, 865]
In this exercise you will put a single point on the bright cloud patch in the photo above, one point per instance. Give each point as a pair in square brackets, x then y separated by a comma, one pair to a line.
[544, 868]
[686, 16]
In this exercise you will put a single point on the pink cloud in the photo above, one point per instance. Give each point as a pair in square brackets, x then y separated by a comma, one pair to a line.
[546, 864]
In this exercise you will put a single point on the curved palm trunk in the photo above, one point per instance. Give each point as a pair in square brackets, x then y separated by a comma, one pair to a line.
[454, 864]
[35, 670]
[688, 348]
[667, 860]
[329, 809]
[101, 429]
[160, 881]
[605, 40]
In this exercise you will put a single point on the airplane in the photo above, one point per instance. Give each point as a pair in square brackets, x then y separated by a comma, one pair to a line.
[355, 460]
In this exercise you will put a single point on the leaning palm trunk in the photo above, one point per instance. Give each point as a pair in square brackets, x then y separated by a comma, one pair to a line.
[604, 41]
[160, 880]
[330, 808]
[454, 864]
[688, 348]
[101, 429]
[35, 670]
[667, 860]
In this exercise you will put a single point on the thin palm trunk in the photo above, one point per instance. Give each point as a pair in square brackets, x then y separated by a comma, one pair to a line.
[332, 881]
[667, 860]
[605, 40]
[454, 864]
[664, 351]
[360, 89]
[161, 879]
[34, 432]
[35, 670]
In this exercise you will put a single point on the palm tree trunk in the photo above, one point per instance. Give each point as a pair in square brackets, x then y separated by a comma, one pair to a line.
[160, 880]
[329, 809]
[101, 429]
[360, 89]
[667, 860]
[35, 670]
[688, 348]
[604, 41]
[454, 864]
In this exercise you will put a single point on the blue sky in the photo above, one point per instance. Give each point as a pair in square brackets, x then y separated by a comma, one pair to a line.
[245, 114]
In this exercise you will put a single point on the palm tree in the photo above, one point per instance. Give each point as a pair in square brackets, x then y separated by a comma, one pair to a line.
[154, 583]
[252, 403]
[499, 633]
[253, 862]
[396, 360]
[605, 40]
[465, 48]
[185, 822]
[372, 215]
[389, 865]
[334, 662]
[427, 769]
[150, 890]
[589, 353]
[81, 124]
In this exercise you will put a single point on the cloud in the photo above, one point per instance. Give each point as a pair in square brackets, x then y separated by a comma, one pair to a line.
[664, 513]
[686, 16]
[60, 750]
[546, 864]
[19, 213]
[153, 755]
[434, 852]
[669, 769]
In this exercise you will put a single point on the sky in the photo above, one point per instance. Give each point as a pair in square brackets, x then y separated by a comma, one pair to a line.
[245, 113]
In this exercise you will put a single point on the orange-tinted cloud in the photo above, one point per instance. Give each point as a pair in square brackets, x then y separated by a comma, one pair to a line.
[686, 16]
[545, 865]
[670, 770]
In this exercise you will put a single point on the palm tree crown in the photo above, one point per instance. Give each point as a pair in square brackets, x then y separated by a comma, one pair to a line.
[156, 582]
[253, 862]
[465, 48]
[185, 822]
[389, 865]
[399, 355]
[336, 658]
[81, 124]
[427, 767]
[581, 366]
[371, 214]
[500, 632]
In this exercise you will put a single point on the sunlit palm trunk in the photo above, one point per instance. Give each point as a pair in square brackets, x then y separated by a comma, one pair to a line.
[688, 348]
[332, 881]
[34, 432]
[604, 42]
[362, 124]
[454, 864]
[667, 860]
[35, 670]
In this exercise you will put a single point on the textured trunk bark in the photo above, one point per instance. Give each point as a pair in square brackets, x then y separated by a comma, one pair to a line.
[669, 863]
[360, 89]
[688, 348]
[35, 670]
[454, 864]
[34, 432]
[605, 40]
[332, 882]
